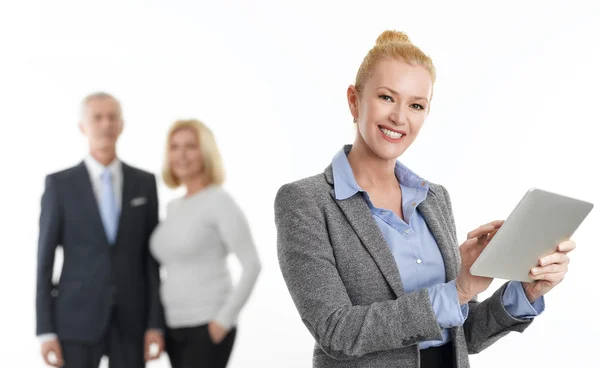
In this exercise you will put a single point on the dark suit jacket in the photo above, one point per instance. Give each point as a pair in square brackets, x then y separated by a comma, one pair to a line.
[96, 276]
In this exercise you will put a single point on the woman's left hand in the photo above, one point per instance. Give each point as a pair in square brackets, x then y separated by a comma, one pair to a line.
[550, 272]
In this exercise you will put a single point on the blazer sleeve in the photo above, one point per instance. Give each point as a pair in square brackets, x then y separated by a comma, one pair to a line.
[155, 308]
[488, 320]
[308, 264]
[50, 226]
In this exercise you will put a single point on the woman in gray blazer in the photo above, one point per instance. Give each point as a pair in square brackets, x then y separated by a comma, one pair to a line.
[368, 249]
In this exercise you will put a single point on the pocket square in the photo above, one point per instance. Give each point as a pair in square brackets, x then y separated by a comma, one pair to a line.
[138, 201]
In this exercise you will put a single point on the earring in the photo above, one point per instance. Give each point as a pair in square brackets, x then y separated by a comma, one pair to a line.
[354, 120]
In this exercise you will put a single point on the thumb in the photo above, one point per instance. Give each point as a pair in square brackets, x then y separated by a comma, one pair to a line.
[59, 356]
[147, 356]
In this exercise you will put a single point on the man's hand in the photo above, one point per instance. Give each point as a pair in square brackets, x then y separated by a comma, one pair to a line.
[153, 337]
[52, 353]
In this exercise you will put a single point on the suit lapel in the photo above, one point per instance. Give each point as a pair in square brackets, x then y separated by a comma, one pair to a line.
[88, 200]
[360, 218]
[129, 185]
[431, 212]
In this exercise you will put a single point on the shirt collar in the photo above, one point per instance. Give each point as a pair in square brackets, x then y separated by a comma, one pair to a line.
[96, 168]
[345, 185]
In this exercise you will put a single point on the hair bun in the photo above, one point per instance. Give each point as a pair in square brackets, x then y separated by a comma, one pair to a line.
[392, 36]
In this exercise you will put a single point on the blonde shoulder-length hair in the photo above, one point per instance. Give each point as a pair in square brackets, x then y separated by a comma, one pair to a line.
[213, 171]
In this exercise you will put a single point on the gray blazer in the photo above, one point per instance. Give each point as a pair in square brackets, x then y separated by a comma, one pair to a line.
[346, 286]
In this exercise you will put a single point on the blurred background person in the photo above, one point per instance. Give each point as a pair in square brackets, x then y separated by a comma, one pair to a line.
[102, 213]
[192, 245]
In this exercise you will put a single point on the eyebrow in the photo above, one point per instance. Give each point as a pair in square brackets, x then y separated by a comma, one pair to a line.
[412, 97]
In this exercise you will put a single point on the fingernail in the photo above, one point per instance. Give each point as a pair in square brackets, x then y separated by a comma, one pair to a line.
[534, 270]
[542, 262]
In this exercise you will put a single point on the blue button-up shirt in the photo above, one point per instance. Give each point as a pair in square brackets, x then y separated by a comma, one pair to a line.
[417, 254]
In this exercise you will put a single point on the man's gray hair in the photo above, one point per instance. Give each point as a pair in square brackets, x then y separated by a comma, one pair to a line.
[98, 96]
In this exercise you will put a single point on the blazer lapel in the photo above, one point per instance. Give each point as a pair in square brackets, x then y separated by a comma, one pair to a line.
[129, 185]
[360, 218]
[431, 212]
[88, 200]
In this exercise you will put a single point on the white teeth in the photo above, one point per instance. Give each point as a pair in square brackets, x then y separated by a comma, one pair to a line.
[391, 134]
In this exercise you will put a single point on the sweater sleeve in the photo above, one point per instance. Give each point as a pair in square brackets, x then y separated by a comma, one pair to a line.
[236, 235]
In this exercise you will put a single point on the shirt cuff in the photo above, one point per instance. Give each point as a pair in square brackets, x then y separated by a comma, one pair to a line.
[47, 337]
[444, 301]
[516, 304]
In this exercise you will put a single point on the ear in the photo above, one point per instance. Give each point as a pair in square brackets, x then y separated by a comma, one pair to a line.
[352, 95]
[121, 127]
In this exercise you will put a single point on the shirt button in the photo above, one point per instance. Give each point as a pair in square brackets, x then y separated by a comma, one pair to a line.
[422, 183]
[414, 204]
[419, 260]
[407, 231]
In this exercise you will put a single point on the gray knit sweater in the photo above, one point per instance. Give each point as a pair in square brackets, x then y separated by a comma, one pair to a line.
[192, 245]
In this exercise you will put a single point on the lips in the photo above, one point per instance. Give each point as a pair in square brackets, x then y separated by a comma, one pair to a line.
[391, 134]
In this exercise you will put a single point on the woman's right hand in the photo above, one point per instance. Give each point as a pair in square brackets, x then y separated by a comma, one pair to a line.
[468, 285]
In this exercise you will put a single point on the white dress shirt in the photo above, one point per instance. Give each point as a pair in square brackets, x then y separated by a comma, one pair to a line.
[95, 170]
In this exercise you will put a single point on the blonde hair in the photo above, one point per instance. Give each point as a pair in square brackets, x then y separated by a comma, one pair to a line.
[212, 168]
[392, 45]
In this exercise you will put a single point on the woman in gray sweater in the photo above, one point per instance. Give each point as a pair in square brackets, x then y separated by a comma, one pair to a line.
[192, 245]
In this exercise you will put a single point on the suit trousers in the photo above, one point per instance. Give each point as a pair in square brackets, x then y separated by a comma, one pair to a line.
[122, 351]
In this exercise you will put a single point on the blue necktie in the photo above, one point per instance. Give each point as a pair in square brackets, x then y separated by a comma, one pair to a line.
[108, 207]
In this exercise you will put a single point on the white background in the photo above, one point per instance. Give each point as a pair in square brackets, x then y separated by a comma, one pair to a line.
[515, 106]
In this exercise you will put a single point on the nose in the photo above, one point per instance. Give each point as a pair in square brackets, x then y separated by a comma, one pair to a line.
[176, 153]
[399, 115]
[176, 157]
[104, 123]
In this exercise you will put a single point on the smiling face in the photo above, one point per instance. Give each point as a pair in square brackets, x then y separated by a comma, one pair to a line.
[185, 156]
[391, 107]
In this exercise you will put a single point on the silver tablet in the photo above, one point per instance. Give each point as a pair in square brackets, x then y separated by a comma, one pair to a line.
[539, 222]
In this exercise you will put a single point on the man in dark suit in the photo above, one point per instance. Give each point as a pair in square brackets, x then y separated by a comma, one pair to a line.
[102, 213]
